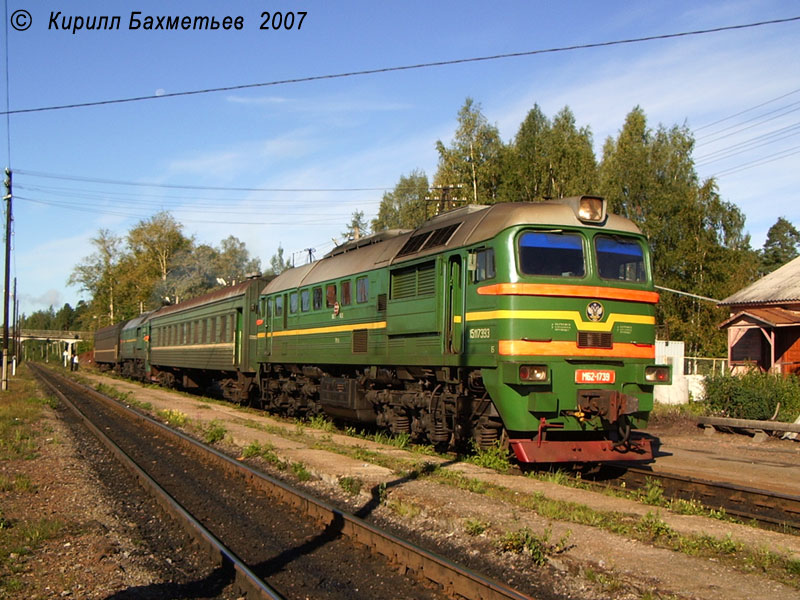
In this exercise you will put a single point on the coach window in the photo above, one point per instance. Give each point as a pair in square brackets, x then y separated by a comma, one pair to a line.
[346, 295]
[293, 302]
[317, 299]
[222, 332]
[330, 295]
[362, 290]
[213, 339]
[484, 264]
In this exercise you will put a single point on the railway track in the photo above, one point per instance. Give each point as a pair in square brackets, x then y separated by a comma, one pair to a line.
[260, 568]
[768, 508]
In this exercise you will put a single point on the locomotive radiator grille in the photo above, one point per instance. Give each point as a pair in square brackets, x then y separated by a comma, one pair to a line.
[594, 339]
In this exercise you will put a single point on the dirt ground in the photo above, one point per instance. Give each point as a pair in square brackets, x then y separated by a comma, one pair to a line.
[101, 557]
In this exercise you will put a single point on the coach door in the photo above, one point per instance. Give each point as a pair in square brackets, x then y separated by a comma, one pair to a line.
[455, 306]
[237, 359]
[278, 326]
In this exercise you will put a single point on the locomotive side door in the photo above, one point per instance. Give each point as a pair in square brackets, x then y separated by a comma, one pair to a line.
[455, 306]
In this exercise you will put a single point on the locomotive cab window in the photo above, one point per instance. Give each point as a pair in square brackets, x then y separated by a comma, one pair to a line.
[279, 306]
[551, 254]
[305, 300]
[484, 264]
[293, 302]
[620, 258]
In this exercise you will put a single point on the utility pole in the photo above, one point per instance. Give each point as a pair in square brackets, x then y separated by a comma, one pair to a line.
[444, 202]
[7, 198]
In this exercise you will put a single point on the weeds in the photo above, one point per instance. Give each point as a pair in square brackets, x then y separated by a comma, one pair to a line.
[351, 485]
[321, 422]
[20, 483]
[538, 547]
[475, 527]
[214, 432]
[493, 457]
[266, 452]
[173, 417]
[407, 510]
[300, 471]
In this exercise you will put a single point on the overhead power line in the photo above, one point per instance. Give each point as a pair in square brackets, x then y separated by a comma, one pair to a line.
[425, 65]
[193, 187]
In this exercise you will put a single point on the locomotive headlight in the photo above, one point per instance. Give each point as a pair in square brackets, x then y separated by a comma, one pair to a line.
[657, 374]
[532, 373]
[592, 209]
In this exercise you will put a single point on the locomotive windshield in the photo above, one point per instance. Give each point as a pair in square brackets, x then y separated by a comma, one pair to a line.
[620, 258]
[551, 253]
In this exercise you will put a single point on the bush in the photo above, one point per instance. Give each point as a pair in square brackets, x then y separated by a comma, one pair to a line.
[754, 395]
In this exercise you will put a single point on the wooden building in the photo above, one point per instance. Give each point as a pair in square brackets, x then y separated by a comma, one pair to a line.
[764, 323]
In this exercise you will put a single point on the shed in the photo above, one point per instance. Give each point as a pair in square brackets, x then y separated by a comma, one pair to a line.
[764, 323]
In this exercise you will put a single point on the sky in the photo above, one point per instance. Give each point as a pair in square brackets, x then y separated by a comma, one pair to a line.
[288, 163]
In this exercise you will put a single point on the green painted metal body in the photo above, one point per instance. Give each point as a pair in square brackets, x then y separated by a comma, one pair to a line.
[215, 332]
[433, 312]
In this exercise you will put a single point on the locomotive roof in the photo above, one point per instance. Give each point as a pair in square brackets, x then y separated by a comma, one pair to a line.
[461, 227]
[136, 321]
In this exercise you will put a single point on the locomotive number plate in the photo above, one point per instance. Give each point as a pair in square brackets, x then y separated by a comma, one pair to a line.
[595, 376]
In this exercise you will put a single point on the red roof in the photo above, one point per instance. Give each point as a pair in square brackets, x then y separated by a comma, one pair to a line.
[773, 317]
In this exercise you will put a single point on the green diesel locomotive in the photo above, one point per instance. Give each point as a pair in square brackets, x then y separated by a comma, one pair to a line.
[527, 323]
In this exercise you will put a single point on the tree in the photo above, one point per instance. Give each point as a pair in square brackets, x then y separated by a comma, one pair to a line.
[277, 263]
[697, 240]
[549, 160]
[233, 262]
[97, 275]
[357, 228]
[404, 207]
[198, 269]
[572, 165]
[155, 241]
[475, 157]
[781, 246]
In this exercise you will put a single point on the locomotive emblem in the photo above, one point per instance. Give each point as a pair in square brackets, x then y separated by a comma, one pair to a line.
[594, 311]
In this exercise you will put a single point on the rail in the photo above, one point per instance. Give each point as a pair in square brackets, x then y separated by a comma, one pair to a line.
[455, 580]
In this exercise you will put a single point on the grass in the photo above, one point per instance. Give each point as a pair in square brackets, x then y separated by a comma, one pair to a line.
[265, 452]
[21, 433]
[214, 432]
[537, 546]
[20, 483]
[301, 472]
[475, 527]
[494, 457]
[351, 485]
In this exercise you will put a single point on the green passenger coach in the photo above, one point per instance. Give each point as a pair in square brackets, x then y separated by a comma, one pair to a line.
[208, 342]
